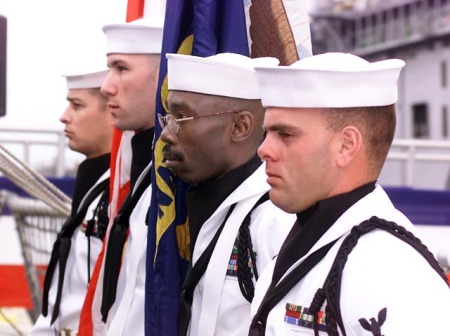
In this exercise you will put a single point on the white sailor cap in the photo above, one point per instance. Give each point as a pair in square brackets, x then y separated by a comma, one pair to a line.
[86, 71]
[142, 36]
[226, 74]
[330, 80]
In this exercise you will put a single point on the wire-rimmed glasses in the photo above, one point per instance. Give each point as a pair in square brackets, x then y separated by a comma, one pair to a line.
[173, 123]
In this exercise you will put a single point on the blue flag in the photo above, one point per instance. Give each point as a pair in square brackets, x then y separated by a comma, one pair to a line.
[200, 28]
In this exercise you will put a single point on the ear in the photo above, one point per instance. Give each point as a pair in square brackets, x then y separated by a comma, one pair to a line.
[242, 126]
[350, 144]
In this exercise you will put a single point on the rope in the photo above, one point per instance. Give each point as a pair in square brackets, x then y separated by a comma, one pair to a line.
[33, 183]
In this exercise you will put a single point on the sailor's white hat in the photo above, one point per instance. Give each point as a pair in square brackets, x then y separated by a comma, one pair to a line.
[225, 74]
[86, 81]
[142, 36]
[330, 80]
[86, 71]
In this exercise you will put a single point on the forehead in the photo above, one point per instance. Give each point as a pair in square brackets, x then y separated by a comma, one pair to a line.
[113, 59]
[291, 116]
[80, 94]
[184, 99]
[280, 114]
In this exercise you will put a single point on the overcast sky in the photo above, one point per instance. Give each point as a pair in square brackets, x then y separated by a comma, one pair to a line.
[43, 36]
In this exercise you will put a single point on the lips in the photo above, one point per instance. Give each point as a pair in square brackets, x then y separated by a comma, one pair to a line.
[112, 107]
[271, 177]
[171, 158]
[171, 163]
[271, 174]
[67, 133]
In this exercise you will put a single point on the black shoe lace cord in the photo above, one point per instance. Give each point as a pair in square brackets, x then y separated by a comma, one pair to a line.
[61, 249]
[115, 244]
[332, 285]
[91, 224]
[246, 256]
[89, 229]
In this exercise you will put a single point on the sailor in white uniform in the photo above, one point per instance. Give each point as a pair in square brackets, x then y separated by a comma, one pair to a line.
[352, 264]
[133, 56]
[89, 130]
[212, 131]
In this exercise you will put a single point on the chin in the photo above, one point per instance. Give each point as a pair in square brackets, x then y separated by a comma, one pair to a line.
[189, 179]
[177, 174]
[287, 209]
[285, 206]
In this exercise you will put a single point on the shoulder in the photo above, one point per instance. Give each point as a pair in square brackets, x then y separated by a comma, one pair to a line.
[384, 264]
[384, 272]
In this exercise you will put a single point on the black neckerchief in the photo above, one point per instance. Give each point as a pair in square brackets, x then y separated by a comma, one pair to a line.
[204, 198]
[88, 173]
[312, 224]
[116, 242]
[141, 145]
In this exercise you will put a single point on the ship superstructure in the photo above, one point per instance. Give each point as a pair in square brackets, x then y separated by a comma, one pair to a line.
[417, 31]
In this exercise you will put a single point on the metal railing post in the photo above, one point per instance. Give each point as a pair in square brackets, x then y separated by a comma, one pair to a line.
[410, 166]
[60, 159]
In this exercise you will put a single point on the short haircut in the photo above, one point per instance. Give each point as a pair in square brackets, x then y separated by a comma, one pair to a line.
[376, 124]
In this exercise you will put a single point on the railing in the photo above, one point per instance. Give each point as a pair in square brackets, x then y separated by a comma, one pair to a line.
[421, 160]
[376, 29]
[410, 161]
[28, 140]
[37, 226]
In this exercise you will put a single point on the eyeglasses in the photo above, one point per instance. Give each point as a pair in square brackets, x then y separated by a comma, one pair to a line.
[174, 123]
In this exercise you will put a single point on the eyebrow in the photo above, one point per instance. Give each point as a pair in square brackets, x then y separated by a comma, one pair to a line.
[279, 126]
[178, 105]
[74, 99]
[116, 62]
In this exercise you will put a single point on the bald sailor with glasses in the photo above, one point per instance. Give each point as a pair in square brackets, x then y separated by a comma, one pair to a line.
[212, 131]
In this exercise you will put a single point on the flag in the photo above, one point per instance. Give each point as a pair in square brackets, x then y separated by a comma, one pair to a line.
[279, 28]
[201, 28]
[121, 156]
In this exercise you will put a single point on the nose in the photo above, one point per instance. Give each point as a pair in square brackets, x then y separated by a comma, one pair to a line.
[64, 118]
[108, 88]
[265, 152]
[168, 136]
